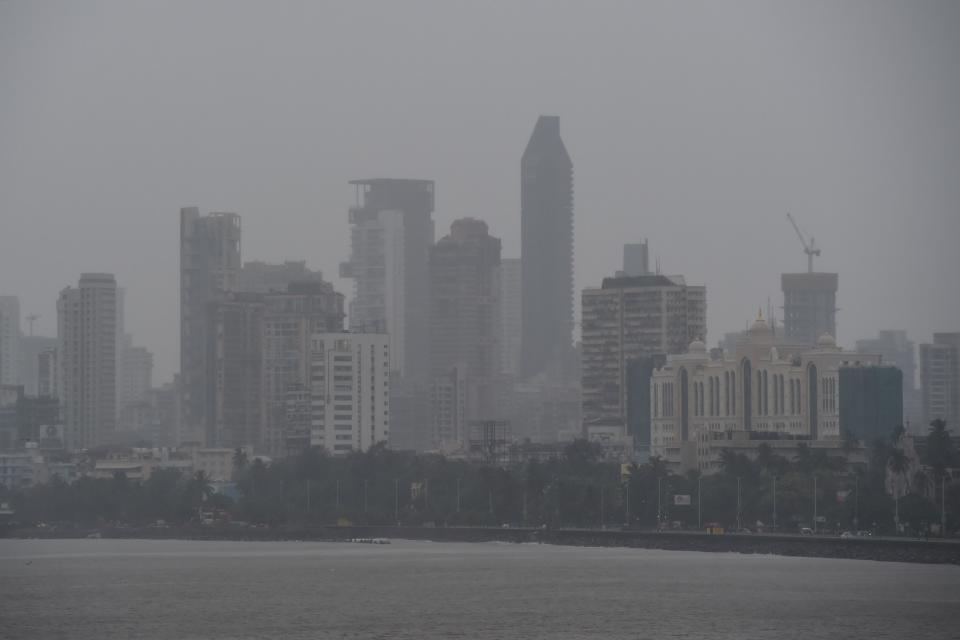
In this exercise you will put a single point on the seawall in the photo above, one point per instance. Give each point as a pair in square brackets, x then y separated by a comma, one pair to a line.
[866, 548]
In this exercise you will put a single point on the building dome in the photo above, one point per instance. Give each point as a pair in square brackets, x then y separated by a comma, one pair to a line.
[697, 346]
[826, 341]
[760, 331]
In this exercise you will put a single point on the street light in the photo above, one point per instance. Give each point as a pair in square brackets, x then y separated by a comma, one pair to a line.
[699, 502]
[739, 508]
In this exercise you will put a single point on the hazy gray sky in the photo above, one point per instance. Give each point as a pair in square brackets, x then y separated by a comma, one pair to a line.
[696, 125]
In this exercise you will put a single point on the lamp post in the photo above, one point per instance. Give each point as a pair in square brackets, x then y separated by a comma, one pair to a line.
[943, 506]
[626, 490]
[659, 505]
[739, 508]
[699, 502]
[814, 504]
[774, 503]
[856, 502]
[602, 519]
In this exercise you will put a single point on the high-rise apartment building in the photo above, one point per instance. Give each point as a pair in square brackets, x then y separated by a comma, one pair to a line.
[349, 391]
[9, 340]
[448, 408]
[236, 398]
[263, 277]
[511, 313]
[209, 266]
[260, 360]
[465, 302]
[290, 318]
[809, 306]
[871, 400]
[86, 352]
[391, 234]
[546, 230]
[628, 319]
[48, 374]
[134, 385]
[940, 379]
[895, 349]
[465, 313]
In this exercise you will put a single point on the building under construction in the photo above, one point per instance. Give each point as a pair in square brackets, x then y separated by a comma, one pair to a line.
[809, 306]
[809, 299]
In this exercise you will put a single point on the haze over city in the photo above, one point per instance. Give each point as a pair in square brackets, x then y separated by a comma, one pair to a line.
[696, 126]
[576, 313]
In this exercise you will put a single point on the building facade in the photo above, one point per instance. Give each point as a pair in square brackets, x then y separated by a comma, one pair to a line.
[940, 379]
[236, 400]
[290, 318]
[465, 315]
[636, 259]
[209, 267]
[133, 385]
[871, 400]
[391, 233]
[897, 350]
[30, 349]
[349, 391]
[9, 340]
[48, 373]
[809, 306]
[546, 236]
[758, 393]
[86, 359]
[448, 409]
[263, 277]
[627, 319]
[511, 310]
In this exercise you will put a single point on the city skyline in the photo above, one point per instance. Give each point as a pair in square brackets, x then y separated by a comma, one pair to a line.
[709, 184]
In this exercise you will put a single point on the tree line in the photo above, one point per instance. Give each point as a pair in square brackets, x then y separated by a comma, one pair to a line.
[579, 488]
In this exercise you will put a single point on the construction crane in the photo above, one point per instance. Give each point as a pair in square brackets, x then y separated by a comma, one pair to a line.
[33, 317]
[809, 248]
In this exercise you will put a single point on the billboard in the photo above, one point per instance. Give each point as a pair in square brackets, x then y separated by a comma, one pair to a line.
[681, 500]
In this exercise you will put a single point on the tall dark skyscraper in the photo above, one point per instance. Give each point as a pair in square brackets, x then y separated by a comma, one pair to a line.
[546, 228]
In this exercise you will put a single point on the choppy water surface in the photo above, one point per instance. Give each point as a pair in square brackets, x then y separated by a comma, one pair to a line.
[180, 589]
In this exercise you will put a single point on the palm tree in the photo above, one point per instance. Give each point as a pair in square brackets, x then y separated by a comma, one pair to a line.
[897, 464]
[940, 453]
[201, 486]
[240, 460]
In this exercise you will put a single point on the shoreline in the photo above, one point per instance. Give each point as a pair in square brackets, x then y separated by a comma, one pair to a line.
[878, 549]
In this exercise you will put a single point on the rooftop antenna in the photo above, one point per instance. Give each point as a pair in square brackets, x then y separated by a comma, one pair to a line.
[810, 248]
[33, 317]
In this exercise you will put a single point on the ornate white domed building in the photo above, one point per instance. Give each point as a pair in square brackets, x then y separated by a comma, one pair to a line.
[760, 392]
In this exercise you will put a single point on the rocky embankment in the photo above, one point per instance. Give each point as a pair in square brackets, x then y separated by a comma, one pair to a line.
[883, 549]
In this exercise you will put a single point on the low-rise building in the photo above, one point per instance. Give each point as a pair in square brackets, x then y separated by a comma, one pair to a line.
[698, 403]
[218, 464]
[19, 469]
